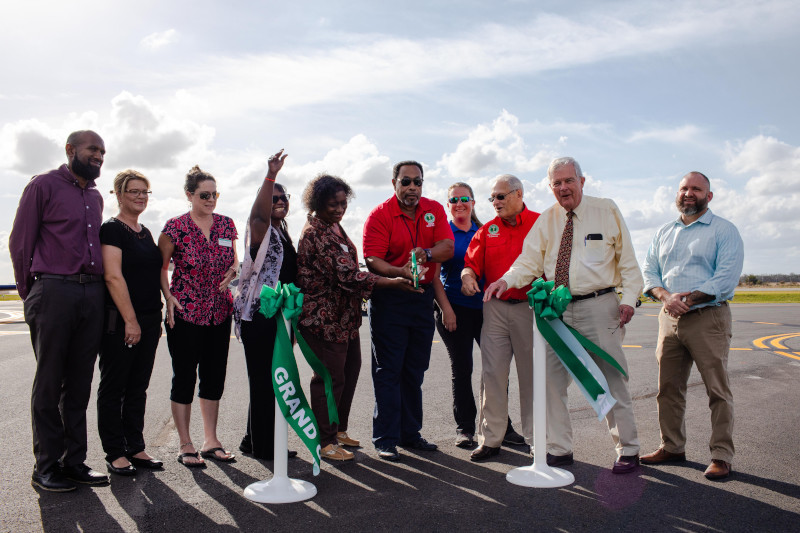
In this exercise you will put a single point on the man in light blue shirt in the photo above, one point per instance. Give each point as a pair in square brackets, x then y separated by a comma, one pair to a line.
[692, 267]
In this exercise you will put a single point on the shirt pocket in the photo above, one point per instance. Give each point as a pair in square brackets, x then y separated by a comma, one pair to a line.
[596, 249]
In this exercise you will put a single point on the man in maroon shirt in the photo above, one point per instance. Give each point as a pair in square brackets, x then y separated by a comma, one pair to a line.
[507, 322]
[55, 250]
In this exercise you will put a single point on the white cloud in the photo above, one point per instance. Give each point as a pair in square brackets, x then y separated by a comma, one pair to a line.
[160, 39]
[683, 134]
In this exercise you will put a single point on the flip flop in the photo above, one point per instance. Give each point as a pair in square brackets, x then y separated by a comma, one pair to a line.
[212, 454]
[198, 464]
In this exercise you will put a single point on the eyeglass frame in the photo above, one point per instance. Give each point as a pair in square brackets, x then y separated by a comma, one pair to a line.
[136, 193]
[463, 199]
[207, 195]
[406, 181]
[501, 196]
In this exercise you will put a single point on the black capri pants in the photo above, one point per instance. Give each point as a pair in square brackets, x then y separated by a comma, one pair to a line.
[198, 350]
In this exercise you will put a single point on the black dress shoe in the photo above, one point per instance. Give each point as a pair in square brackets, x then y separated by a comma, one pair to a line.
[129, 470]
[464, 439]
[560, 460]
[484, 452]
[83, 474]
[152, 464]
[513, 438]
[246, 446]
[388, 453]
[422, 445]
[51, 481]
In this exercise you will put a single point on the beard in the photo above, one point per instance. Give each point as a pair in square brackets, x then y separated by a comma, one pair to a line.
[84, 170]
[691, 209]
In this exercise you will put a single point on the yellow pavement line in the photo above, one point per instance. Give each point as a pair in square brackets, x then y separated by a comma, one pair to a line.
[769, 323]
[789, 355]
[760, 342]
[776, 342]
[631, 346]
[743, 349]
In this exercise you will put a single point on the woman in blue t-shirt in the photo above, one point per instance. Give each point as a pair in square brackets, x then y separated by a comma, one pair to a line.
[459, 318]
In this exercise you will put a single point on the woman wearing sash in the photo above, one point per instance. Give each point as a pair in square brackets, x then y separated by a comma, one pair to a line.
[270, 257]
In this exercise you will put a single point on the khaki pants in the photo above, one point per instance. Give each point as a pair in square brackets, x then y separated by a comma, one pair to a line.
[507, 331]
[703, 337]
[597, 319]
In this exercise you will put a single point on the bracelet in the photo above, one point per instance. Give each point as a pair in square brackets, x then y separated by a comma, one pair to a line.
[267, 179]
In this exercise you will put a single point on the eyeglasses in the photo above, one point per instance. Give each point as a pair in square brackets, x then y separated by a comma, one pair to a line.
[136, 193]
[462, 199]
[205, 195]
[405, 182]
[568, 182]
[284, 197]
[501, 197]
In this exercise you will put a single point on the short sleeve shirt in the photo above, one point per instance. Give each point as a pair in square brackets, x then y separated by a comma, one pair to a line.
[200, 266]
[495, 247]
[141, 264]
[390, 234]
[451, 270]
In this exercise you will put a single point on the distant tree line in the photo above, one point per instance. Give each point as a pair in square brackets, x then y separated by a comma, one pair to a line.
[760, 279]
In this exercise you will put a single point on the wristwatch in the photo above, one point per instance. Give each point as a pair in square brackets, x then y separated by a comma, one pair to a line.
[428, 254]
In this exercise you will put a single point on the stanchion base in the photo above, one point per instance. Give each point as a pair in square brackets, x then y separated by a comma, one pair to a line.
[541, 476]
[280, 490]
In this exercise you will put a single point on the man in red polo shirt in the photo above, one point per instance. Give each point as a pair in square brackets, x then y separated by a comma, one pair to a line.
[507, 322]
[401, 323]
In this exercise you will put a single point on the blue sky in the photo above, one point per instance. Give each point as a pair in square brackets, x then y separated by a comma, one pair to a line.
[639, 92]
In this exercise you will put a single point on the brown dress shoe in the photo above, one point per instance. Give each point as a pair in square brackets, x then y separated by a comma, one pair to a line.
[718, 469]
[662, 456]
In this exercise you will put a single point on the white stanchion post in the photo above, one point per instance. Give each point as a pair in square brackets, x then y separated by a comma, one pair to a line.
[281, 488]
[539, 474]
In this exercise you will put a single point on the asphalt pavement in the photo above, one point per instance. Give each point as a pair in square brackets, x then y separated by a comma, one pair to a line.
[434, 491]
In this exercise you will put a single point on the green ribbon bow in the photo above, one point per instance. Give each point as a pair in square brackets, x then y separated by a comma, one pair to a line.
[286, 302]
[549, 304]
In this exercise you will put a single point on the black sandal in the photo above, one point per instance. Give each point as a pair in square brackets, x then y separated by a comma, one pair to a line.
[196, 455]
[212, 454]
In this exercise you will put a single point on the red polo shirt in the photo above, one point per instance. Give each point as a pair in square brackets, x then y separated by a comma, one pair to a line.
[390, 234]
[495, 247]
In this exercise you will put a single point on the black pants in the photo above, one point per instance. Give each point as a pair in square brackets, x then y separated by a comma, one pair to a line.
[198, 351]
[459, 345]
[66, 322]
[124, 378]
[258, 338]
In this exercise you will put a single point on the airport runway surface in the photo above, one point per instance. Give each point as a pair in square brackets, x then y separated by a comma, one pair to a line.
[440, 490]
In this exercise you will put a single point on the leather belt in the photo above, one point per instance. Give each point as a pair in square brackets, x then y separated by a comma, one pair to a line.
[77, 278]
[514, 301]
[592, 294]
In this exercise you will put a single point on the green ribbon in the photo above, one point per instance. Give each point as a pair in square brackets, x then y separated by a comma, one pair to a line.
[549, 304]
[286, 302]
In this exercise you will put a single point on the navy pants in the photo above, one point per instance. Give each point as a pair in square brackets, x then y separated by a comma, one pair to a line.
[401, 330]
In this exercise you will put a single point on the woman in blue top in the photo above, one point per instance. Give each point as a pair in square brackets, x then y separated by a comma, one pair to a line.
[459, 318]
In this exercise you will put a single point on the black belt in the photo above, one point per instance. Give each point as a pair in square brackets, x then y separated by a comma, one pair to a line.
[77, 278]
[592, 294]
[514, 301]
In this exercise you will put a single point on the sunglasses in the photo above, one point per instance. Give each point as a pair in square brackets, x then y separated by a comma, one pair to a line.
[208, 195]
[501, 197]
[405, 182]
[462, 199]
[284, 197]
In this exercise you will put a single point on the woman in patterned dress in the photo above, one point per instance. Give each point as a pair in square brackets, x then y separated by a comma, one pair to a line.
[202, 246]
[333, 287]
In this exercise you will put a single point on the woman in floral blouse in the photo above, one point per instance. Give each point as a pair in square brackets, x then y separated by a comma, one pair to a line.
[202, 246]
[333, 287]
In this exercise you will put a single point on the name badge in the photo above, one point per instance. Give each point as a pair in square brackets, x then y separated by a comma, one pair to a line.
[345, 248]
[227, 243]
